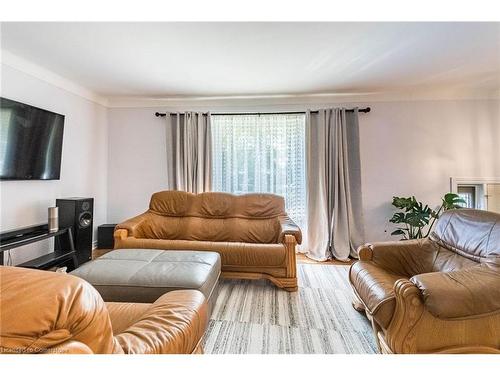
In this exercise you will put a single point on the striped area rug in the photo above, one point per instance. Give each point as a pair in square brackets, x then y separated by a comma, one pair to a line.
[255, 317]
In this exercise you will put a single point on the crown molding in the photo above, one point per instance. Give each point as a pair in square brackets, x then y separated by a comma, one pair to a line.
[11, 60]
[427, 94]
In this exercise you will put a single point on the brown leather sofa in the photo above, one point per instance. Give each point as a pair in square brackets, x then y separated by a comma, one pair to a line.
[252, 233]
[436, 295]
[48, 312]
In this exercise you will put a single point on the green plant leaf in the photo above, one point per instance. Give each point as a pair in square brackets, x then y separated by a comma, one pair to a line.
[452, 201]
[417, 219]
[397, 232]
[398, 217]
[403, 203]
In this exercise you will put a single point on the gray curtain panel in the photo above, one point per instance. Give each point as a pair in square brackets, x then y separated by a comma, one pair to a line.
[334, 205]
[189, 151]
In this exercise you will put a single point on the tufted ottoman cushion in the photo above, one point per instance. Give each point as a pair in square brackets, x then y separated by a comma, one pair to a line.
[143, 275]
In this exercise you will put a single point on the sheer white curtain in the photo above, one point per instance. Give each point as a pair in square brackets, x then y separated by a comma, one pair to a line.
[261, 153]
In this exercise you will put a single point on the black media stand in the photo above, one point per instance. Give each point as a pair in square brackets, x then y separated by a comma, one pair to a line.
[19, 237]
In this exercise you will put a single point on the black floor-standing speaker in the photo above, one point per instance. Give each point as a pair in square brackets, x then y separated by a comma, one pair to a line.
[77, 213]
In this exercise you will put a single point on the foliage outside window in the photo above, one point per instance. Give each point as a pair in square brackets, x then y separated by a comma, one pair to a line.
[261, 153]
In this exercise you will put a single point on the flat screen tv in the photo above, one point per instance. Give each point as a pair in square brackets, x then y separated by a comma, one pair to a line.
[30, 142]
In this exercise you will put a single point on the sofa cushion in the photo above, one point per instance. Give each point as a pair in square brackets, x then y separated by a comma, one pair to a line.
[213, 216]
[461, 293]
[144, 275]
[192, 228]
[446, 260]
[375, 287]
[124, 315]
[231, 253]
[40, 310]
[473, 234]
[217, 205]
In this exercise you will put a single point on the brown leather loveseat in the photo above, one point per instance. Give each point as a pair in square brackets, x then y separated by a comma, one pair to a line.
[436, 295]
[252, 233]
[56, 313]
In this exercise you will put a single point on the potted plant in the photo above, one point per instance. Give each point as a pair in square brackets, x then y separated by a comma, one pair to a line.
[414, 216]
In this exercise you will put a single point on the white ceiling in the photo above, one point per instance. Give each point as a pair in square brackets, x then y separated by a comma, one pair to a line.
[227, 59]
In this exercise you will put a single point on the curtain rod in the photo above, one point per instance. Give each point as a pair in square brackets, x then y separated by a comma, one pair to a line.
[363, 110]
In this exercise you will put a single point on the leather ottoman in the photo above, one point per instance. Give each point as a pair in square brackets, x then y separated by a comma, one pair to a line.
[143, 275]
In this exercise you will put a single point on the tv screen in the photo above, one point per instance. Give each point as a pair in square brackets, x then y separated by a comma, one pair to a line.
[30, 142]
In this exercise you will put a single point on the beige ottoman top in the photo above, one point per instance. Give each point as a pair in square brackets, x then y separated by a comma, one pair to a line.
[143, 275]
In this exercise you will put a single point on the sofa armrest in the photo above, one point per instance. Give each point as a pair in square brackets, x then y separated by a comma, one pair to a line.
[407, 314]
[288, 227]
[414, 329]
[406, 258]
[132, 226]
[464, 293]
[70, 347]
[174, 324]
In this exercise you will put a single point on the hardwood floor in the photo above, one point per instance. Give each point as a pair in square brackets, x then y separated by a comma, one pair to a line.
[302, 259]
[96, 253]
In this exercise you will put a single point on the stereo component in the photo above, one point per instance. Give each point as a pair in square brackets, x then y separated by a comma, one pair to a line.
[78, 214]
[53, 219]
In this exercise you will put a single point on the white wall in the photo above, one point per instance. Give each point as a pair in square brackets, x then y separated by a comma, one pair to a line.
[413, 148]
[407, 148]
[137, 161]
[84, 158]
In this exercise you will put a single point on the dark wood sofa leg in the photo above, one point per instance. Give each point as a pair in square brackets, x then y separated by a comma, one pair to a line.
[289, 283]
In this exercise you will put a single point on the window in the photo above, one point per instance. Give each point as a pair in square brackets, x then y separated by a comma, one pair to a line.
[468, 194]
[261, 153]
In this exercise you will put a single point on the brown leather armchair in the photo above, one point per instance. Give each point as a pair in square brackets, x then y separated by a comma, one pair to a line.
[48, 312]
[252, 233]
[436, 295]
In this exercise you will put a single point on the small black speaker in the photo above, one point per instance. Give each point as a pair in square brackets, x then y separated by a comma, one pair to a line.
[77, 213]
[105, 239]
